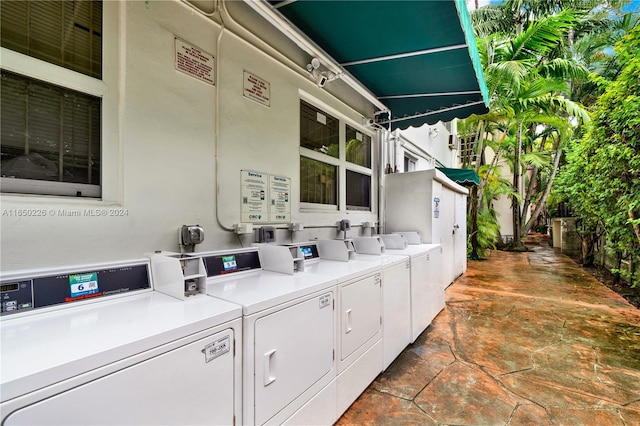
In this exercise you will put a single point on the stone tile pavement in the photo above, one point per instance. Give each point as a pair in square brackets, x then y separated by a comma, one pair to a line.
[525, 339]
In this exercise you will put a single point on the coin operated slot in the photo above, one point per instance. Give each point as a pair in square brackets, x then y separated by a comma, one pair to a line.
[178, 274]
[344, 225]
[189, 236]
[266, 234]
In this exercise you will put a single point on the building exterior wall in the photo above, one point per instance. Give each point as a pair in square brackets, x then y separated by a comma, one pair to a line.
[428, 143]
[161, 157]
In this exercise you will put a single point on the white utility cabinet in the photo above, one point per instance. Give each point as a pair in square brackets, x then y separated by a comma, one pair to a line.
[429, 202]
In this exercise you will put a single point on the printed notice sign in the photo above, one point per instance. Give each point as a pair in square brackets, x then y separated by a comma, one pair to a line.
[194, 62]
[254, 197]
[256, 89]
[280, 194]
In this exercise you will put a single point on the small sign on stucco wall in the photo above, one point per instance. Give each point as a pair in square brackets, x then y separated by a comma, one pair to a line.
[254, 190]
[256, 89]
[194, 61]
[280, 195]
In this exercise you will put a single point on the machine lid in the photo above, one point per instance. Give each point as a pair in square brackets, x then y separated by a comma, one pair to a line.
[49, 347]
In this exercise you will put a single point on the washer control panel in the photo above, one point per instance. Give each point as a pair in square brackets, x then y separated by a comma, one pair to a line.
[16, 295]
[25, 292]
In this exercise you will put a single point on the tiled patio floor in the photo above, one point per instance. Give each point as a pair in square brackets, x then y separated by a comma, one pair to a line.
[525, 339]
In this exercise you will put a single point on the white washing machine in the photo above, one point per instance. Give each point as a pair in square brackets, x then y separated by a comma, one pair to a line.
[95, 344]
[427, 289]
[289, 322]
[359, 301]
[396, 295]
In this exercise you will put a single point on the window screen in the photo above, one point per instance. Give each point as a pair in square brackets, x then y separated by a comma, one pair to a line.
[318, 130]
[318, 182]
[358, 191]
[358, 147]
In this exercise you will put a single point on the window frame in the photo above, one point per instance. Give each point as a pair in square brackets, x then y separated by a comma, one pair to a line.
[340, 162]
[107, 89]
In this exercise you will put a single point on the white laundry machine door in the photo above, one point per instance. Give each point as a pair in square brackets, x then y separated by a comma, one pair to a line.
[360, 310]
[294, 348]
[192, 384]
[396, 313]
[427, 292]
[420, 311]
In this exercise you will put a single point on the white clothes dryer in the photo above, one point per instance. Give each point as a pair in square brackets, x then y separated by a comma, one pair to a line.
[396, 295]
[427, 289]
[289, 323]
[359, 302]
[94, 344]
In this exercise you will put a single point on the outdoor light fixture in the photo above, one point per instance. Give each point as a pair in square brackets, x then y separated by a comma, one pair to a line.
[320, 76]
[433, 132]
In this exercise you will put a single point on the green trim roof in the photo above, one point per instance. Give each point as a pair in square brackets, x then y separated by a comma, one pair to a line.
[418, 57]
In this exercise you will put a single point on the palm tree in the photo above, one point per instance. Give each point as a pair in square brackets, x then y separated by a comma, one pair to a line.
[528, 84]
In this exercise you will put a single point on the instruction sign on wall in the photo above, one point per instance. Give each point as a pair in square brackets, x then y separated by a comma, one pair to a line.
[256, 89]
[265, 198]
[254, 188]
[194, 61]
[280, 195]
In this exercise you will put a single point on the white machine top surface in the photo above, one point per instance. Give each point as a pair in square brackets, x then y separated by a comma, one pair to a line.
[41, 349]
[342, 271]
[414, 250]
[386, 260]
[257, 291]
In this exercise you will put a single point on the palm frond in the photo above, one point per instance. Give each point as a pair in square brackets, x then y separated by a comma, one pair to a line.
[542, 36]
[563, 68]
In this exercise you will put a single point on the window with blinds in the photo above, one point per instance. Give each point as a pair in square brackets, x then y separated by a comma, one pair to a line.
[65, 33]
[51, 135]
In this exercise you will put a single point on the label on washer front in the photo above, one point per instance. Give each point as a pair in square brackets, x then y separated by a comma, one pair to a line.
[215, 349]
[325, 300]
[83, 284]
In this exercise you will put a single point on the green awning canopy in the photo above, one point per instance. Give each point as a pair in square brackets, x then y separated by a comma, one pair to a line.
[464, 177]
[418, 57]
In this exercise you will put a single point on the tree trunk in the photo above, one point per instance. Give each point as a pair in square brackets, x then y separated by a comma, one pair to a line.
[515, 203]
[543, 200]
[588, 249]
[636, 228]
[533, 182]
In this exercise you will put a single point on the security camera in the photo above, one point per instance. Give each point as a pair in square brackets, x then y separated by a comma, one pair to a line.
[322, 80]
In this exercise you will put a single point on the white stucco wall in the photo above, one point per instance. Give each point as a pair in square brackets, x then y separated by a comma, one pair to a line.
[431, 139]
[503, 204]
[159, 160]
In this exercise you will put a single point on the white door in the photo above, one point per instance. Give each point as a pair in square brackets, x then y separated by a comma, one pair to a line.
[460, 243]
[435, 283]
[175, 388]
[396, 310]
[448, 229]
[360, 308]
[294, 348]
